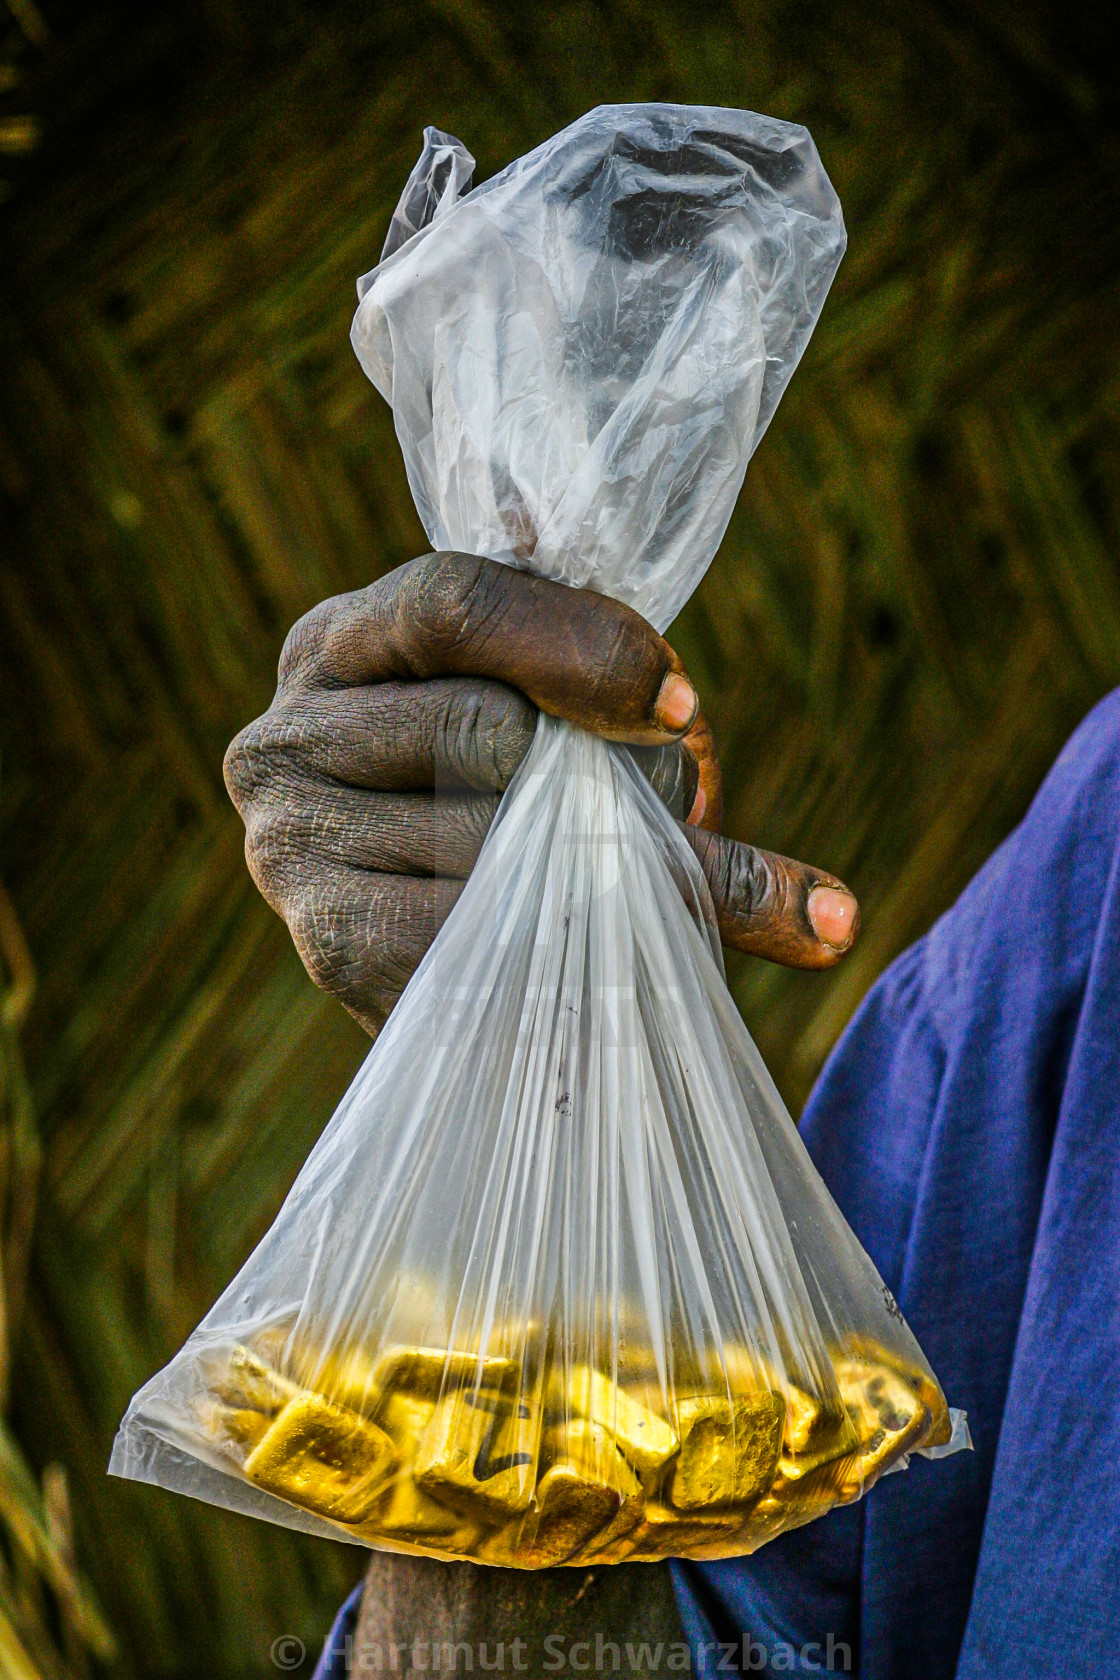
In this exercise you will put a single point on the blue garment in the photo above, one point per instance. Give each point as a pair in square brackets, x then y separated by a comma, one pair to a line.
[968, 1124]
[334, 1661]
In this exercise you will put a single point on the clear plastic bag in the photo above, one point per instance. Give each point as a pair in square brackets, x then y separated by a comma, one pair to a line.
[559, 1283]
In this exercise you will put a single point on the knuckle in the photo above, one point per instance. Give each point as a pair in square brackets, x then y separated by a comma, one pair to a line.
[438, 604]
[270, 851]
[304, 641]
[455, 733]
[361, 939]
[753, 877]
[507, 723]
[324, 937]
[622, 661]
[242, 764]
[737, 874]
[264, 754]
[614, 654]
[483, 733]
[357, 943]
[735, 885]
[626, 644]
[314, 642]
[750, 882]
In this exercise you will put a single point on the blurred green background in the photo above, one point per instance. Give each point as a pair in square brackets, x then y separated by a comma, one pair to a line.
[918, 599]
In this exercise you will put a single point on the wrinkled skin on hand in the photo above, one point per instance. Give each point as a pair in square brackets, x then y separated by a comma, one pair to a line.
[402, 712]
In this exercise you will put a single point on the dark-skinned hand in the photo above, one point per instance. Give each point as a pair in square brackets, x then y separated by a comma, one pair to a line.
[402, 712]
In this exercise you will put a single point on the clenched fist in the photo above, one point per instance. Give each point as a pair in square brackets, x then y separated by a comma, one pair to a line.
[402, 712]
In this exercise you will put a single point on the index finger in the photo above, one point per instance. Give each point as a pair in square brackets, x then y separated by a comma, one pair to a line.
[577, 655]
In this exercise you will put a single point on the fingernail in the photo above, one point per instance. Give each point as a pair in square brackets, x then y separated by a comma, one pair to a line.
[833, 912]
[676, 705]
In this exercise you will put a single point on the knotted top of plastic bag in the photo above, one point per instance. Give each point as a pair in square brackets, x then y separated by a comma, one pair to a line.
[582, 353]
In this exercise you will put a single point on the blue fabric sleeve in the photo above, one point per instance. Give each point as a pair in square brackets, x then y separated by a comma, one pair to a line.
[334, 1663]
[968, 1124]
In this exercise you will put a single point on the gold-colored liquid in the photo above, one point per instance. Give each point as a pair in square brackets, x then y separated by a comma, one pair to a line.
[457, 1455]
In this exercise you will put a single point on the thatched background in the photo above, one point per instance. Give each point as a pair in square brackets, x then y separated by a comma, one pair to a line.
[918, 599]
